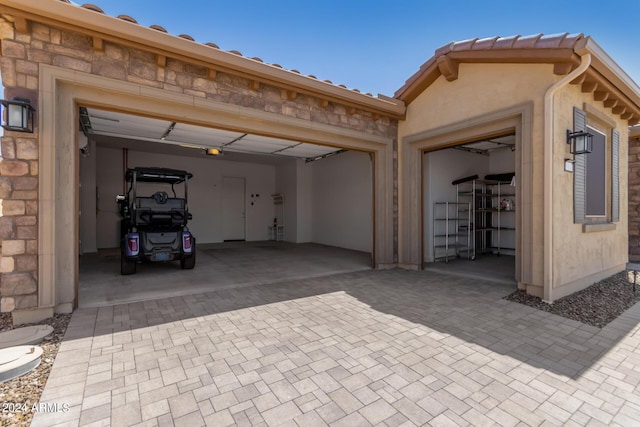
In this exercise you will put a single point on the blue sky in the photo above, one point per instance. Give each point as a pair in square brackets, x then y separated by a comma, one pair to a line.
[376, 45]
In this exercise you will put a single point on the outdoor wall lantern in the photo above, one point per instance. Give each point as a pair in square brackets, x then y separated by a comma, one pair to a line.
[580, 142]
[18, 115]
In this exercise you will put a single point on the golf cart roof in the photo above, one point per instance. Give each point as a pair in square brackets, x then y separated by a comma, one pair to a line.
[170, 176]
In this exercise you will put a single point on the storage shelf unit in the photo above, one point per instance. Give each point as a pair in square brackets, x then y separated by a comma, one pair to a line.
[491, 201]
[276, 232]
[451, 230]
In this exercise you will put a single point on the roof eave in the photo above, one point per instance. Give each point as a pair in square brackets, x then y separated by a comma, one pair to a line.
[609, 69]
[65, 15]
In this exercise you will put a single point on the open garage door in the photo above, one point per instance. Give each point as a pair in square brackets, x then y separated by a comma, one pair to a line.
[470, 207]
[306, 210]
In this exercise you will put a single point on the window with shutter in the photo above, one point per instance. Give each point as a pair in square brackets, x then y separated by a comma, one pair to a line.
[596, 182]
[580, 171]
[615, 176]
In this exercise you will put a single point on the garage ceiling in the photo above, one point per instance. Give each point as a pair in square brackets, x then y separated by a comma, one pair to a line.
[112, 126]
[487, 145]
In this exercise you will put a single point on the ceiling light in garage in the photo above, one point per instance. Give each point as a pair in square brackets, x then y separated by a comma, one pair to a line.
[209, 141]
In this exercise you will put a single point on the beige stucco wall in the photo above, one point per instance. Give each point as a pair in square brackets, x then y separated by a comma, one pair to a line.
[473, 105]
[448, 112]
[581, 258]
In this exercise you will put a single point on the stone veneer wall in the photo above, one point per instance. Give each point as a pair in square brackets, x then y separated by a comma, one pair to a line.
[634, 200]
[20, 56]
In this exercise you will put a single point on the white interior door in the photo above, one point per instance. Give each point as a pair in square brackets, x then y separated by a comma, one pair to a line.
[233, 209]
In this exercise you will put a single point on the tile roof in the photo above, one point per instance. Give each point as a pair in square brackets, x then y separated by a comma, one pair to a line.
[492, 44]
[604, 78]
[130, 19]
[537, 41]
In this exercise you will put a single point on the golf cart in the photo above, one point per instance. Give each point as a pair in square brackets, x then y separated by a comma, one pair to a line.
[153, 227]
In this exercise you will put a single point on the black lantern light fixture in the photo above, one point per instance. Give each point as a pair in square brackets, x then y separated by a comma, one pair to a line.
[580, 142]
[17, 115]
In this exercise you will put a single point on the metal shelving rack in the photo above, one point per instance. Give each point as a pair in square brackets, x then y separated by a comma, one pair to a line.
[498, 210]
[486, 227]
[451, 230]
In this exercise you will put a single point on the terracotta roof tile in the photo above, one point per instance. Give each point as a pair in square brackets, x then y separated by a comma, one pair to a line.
[463, 45]
[187, 37]
[443, 50]
[504, 42]
[158, 28]
[482, 44]
[127, 18]
[213, 45]
[527, 42]
[93, 7]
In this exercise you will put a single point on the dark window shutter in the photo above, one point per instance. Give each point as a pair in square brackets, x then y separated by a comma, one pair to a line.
[615, 178]
[579, 171]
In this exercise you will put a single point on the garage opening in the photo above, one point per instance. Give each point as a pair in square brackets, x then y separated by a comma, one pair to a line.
[263, 209]
[470, 205]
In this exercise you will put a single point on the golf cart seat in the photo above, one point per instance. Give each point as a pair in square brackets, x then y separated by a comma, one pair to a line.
[160, 210]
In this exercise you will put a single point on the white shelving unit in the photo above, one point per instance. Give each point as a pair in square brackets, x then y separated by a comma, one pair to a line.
[276, 231]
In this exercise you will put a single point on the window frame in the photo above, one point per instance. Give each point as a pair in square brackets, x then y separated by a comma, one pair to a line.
[606, 185]
[594, 120]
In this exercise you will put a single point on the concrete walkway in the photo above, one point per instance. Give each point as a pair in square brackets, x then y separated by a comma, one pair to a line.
[364, 348]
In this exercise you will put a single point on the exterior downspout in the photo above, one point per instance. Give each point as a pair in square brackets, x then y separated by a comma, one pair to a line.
[585, 62]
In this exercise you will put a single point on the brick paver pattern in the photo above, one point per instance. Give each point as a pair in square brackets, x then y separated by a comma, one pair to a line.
[385, 348]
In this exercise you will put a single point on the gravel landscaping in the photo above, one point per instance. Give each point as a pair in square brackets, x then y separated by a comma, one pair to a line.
[19, 394]
[596, 305]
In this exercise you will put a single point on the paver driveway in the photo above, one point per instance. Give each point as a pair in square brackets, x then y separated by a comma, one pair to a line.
[367, 348]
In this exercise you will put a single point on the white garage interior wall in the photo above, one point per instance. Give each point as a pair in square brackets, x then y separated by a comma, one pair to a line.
[342, 201]
[328, 201]
[442, 167]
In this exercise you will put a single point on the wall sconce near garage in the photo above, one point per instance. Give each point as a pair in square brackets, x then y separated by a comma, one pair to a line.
[580, 142]
[17, 115]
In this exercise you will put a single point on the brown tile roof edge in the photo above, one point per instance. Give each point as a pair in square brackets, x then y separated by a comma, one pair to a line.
[132, 20]
[517, 42]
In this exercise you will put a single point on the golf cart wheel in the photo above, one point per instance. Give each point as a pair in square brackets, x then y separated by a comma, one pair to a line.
[187, 263]
[127, 266]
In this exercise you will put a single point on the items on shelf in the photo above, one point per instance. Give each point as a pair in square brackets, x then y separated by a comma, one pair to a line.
[276, 232]
[491, 199]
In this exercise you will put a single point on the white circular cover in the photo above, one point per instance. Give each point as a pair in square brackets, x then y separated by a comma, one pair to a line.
[24, 336]
[16, 361]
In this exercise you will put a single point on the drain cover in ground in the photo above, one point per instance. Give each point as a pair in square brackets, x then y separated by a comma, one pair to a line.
[16, 361]
[24, 336]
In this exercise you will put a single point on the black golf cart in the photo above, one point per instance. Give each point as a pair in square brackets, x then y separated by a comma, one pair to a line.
[154, 227]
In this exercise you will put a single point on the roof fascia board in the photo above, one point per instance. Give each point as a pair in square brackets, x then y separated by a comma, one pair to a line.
[61, 14]
[551, 55]
[429, 73]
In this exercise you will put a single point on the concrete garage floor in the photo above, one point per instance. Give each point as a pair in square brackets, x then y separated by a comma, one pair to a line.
[219, 266]
[497, 268]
